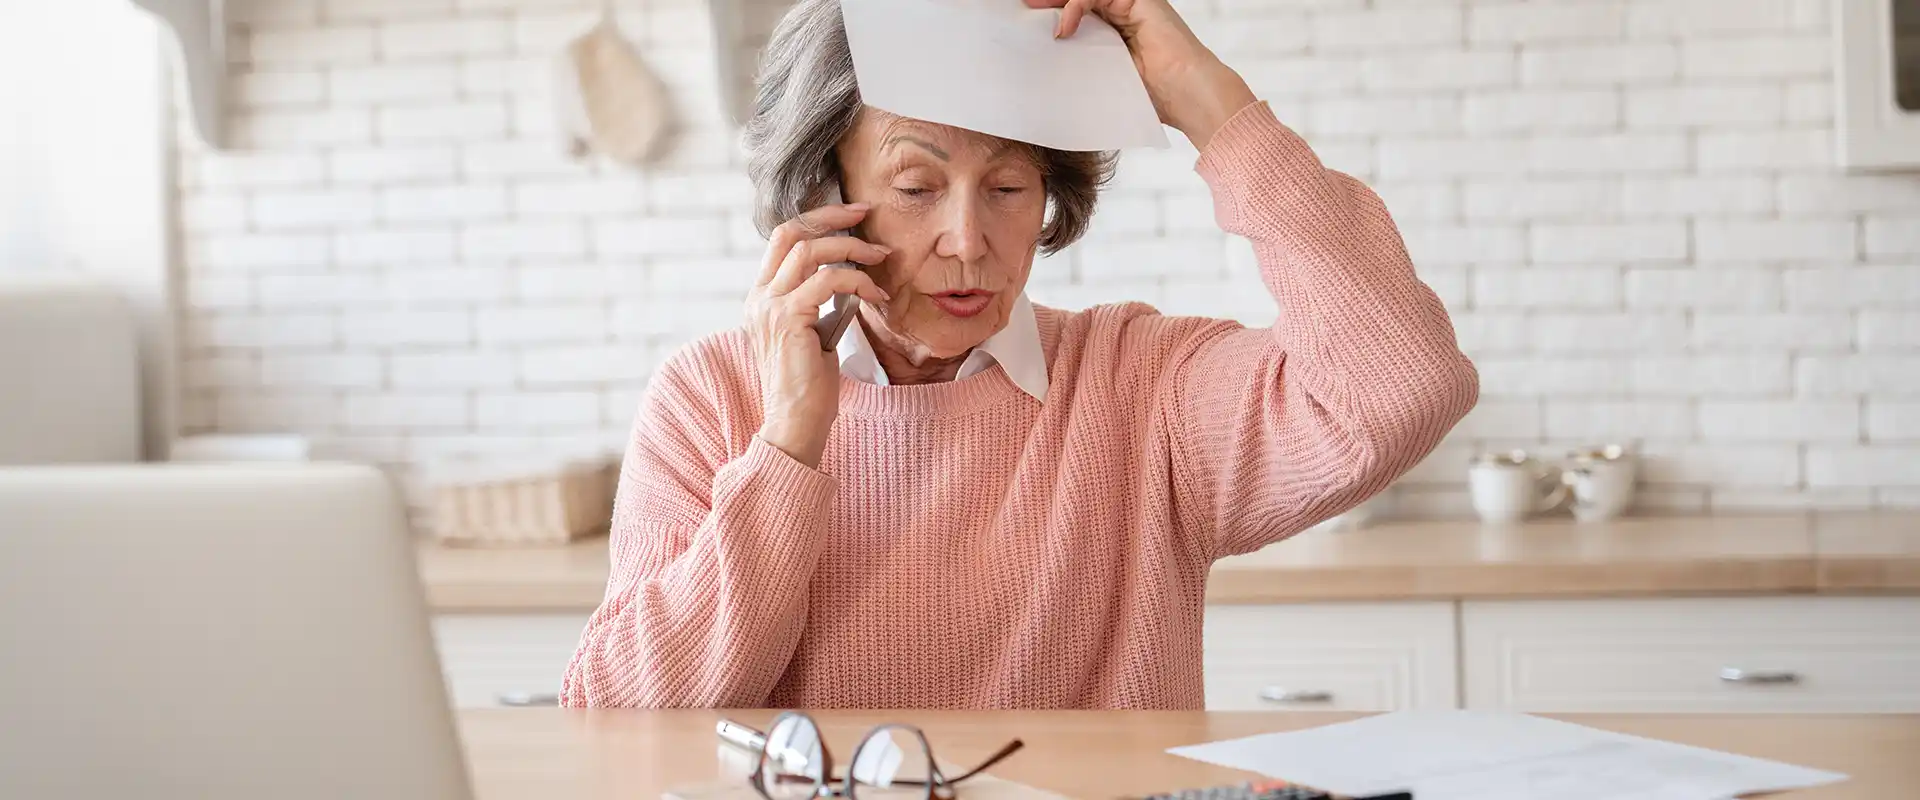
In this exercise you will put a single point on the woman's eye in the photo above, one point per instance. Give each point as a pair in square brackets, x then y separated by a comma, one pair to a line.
[912, 191]
[1010, 190]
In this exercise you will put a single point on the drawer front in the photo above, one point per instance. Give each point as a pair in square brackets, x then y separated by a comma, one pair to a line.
[1333, 656]
[1760, 654]
[488, 656]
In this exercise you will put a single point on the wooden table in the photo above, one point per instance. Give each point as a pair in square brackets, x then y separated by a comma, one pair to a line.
[1427, 560]
[559, 754]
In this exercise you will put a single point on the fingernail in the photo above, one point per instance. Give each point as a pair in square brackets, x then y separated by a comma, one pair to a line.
[858, 206]
[884, 250]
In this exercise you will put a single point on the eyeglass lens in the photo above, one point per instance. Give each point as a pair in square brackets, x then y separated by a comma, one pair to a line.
[892, 763]
[793, 765]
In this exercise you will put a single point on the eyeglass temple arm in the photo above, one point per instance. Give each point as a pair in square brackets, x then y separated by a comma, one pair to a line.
[1010, 748]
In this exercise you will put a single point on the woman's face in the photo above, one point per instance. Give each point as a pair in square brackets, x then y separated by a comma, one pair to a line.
[962, 212]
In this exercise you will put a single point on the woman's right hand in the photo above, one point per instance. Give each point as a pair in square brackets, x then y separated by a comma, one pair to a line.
[799, 379]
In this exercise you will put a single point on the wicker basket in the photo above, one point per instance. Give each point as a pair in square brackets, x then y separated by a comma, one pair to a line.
[477, 506]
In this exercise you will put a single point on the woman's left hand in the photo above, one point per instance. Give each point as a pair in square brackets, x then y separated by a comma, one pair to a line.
[1191, 88]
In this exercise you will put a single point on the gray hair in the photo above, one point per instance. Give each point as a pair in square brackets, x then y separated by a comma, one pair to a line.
[806, 98]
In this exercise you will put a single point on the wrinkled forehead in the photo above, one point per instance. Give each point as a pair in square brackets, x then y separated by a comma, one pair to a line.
[876, 132]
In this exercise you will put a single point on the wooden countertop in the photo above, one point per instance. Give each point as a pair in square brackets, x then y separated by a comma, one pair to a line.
[1840, 553]
[559, 754]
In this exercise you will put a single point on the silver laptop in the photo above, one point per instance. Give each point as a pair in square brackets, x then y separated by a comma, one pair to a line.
[215, 632]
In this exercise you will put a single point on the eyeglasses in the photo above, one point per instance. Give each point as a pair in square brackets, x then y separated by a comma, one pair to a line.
[892, 762]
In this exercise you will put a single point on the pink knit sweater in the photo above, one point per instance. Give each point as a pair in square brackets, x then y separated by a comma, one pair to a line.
[963, 545]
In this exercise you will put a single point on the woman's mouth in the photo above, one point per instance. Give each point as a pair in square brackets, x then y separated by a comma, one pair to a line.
[962, 304]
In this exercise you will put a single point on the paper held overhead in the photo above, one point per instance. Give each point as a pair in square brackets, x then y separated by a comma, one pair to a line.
[993, 66]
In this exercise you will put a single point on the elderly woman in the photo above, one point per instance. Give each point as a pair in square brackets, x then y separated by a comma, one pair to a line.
[972, 500]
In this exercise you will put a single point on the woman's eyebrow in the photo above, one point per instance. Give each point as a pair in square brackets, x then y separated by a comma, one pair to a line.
[929, 146]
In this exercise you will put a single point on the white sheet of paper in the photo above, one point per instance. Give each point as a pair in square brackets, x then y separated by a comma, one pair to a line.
[993, 66]
[1477, 755]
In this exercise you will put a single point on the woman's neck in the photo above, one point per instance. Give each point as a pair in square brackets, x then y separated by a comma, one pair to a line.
[901, 367]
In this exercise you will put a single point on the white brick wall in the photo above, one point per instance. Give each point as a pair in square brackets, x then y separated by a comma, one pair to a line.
[1628, 205]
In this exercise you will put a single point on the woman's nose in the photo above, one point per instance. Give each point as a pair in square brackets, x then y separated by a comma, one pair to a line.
[964, 237]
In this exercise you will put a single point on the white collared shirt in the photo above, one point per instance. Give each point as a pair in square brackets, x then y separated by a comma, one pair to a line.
[1016, 348]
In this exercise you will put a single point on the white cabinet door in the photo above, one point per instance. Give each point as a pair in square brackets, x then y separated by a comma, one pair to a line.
[487, 657]
[1342, 656]
[1759, 654]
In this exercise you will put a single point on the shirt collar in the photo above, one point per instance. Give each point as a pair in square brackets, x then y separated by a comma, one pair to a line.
[1016, 348]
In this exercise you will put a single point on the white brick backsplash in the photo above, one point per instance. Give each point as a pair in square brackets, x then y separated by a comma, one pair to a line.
[1893, 421]
[1746, 331]
[207, 292]
[320, 371]
[1191, 212]
[1364, 116]
[1762, 501]
[1855, 287]
[1527, 287]
[243, 170]
[377, 248]
[279, 331]
[1665, 197]
[473, 36]
[1407, 202]
[451, 369]
[408, 328]
[1761, 57]
[1443, 245]
[582, 197]
[309, 46]
[260, 251]
[1396, 71]
[1712, 375]
[1388, 28]
[1661, 499]
[1187, 257]
[684, 318]
[518, 159]
[1779, 420]
[729, 277]
[1688, 287]
[1482, 332]
[1296, 76]
[1882, 465]
[533, 120]
[1810, 102]
[544, 281]
[408, 411]
[1703, 106]
[585, 364]
[1663, 18]
[279, 88]
[543, 324]
[1717, 151]
[1607, 153]
[1545, 22]
[1824, 193]
[277, 210]
[1234, 38]
[1501, 419]
[276, 409]
[432, 286]
[1449, 283]
[1542, 110]
[687, 193]
[1621, 419]
[325, 291]
[220, 371]
[382, 10]
[1577, 198]
[1773, 240]
[446, 203]
[660, 236]
[1721, 464]
[283, 13]
[1877, 375]
[1609, 333]
[1566, 243]
[478, 120]
[1412, 159]
[519, 76]
[389, 165]
[1890, 330]
[1133, 215]
[388, 83]
[1552, 375]
[1142, 170]
[1599, 65]
[1893, 236]
[506, 240]
[537, 409]
[213, 212]
[277, 130]
[546, 30]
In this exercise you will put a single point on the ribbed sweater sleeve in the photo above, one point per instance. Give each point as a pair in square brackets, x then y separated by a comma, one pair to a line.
[712, 557]
[1358, 380]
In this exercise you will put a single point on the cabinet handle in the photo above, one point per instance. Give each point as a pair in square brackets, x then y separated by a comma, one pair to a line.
[1758, 676]
[1278, 694]
[527, 699]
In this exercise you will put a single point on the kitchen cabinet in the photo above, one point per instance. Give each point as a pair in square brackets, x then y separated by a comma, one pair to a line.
[1877, 60]
[1334, 656]
[1783, 654]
